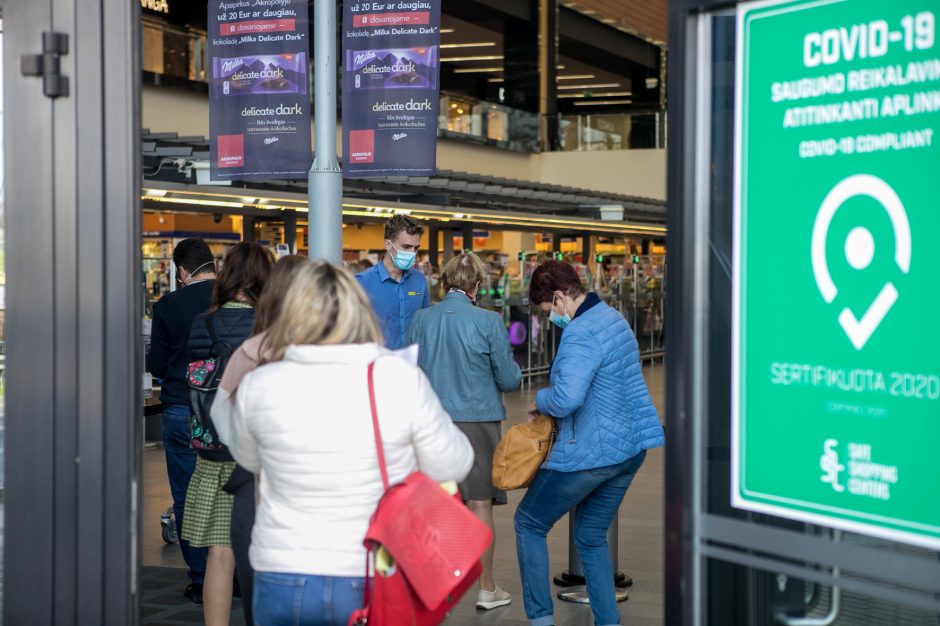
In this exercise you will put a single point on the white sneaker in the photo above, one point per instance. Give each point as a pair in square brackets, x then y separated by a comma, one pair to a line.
[491, 599]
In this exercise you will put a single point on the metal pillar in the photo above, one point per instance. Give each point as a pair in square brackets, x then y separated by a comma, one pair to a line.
[290, 230]
[573, 580]
[325, 179]
[467, 230]
[448, 245]
[434, 248]
[248, 229]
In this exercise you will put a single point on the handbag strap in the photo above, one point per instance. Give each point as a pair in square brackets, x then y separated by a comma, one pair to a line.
[375, 426]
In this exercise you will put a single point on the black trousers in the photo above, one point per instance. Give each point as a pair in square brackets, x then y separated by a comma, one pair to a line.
[242, 486]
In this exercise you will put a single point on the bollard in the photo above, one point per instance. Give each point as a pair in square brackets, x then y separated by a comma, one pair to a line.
[572, 579]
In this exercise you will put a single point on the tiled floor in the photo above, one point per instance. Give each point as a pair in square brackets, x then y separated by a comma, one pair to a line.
[640, 549]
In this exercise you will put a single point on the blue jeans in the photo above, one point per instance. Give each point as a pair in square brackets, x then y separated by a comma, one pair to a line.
[180, 464]
[299, 599]
[595, 495]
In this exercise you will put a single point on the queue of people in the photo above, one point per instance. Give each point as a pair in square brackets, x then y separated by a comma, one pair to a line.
[286, 495]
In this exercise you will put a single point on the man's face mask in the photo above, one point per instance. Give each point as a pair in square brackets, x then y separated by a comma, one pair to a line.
[402, 259]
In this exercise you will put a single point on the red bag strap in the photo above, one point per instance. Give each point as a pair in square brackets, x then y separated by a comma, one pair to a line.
[375, 426]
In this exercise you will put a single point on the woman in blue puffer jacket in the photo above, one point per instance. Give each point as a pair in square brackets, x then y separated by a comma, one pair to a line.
[606, 422]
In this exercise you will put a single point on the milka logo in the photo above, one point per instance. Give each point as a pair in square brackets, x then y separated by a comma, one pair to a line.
[364, 57]
[860, 250]
[270, 140]
[399, 136]
[230, 64]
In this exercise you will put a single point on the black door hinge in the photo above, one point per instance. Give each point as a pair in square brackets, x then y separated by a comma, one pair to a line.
[47, 64]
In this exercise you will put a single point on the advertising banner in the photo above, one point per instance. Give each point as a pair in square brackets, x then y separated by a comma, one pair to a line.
[259, 101]
[391, 65]
[836, 404]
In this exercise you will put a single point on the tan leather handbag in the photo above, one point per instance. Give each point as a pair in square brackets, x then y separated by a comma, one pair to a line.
[521, 452]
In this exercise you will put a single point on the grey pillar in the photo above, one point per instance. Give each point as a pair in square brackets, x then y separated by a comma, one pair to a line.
[325, 180]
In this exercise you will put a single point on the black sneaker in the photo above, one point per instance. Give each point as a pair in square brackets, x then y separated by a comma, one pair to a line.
[194, 592]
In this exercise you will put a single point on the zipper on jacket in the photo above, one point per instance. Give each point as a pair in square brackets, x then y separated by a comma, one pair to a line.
[574, 431]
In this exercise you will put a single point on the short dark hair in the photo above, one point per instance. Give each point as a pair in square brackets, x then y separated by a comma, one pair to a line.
[245, 269]
[553, 276]
[402, 223]
[192, 254]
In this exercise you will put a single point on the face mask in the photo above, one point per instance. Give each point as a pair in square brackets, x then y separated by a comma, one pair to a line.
[403, 259]
[559, 320]
[434, 282]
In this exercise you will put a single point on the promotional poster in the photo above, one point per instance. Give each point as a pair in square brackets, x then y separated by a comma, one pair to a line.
[259, 100]
[391, 66]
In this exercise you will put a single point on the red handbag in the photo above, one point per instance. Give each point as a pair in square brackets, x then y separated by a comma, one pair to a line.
[436, 543]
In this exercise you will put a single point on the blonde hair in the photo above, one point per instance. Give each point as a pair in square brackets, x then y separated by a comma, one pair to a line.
[464, 272]
[324, 305]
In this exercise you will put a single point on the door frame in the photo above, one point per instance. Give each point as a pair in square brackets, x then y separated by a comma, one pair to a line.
[73, 407]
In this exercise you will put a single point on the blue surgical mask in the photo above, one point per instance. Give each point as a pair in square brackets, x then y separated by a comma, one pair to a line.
[559, 320]
[403, 259]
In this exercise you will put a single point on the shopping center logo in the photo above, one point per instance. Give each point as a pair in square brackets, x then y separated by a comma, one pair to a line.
[829, 464]
[860, 250]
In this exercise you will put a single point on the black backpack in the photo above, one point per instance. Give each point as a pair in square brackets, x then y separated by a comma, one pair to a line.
[204, 377]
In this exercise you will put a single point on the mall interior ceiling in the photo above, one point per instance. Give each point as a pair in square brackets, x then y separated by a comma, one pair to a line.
[182, 161]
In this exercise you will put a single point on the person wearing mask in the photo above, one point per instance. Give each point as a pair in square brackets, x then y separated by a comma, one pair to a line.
[246, 358]
[606, 422]
[465, 352]
[395, 290]
[235, 294]
[167, 359]
[303, 425]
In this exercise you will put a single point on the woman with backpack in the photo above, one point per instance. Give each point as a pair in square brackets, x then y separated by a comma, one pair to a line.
[248, 356]
[213, 337]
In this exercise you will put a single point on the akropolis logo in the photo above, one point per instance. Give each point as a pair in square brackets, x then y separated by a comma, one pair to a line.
[860, 250]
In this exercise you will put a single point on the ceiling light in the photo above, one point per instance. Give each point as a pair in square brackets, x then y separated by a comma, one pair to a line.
[495, 80]
[477, 70]
[453, 106]
[447, 30]
[492, 57]
[594, 86]
[231, 205]
[602, 94]
[481, 44]
[559, 67]
[575, 77]
[585, 103]
[154, 193]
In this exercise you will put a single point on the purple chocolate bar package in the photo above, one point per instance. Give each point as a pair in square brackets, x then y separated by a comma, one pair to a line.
[260, 74]
[392, 68]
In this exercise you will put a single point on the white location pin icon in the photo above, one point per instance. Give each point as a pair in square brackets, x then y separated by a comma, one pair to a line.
[860, 250]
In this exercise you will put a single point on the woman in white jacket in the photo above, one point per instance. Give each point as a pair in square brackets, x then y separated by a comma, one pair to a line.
[303, 424]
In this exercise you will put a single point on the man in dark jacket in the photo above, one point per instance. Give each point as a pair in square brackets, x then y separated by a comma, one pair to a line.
[168, 359]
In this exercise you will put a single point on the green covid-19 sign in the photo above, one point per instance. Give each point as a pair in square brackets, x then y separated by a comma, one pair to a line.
[836, 400]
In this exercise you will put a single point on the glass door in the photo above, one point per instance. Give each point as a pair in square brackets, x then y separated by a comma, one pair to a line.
[727, 565]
